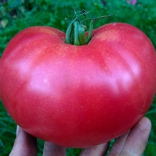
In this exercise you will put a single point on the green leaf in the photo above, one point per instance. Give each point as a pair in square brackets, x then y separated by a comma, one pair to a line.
[14, 3]
[150, 149]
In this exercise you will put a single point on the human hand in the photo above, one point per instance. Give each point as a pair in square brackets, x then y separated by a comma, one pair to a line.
[132, 143]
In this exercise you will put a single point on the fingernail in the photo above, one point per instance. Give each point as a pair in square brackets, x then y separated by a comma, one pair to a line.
[17, 130]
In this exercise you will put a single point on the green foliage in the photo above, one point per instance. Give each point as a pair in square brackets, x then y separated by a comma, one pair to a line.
[151, 146]
[16, 15]
[7, 132]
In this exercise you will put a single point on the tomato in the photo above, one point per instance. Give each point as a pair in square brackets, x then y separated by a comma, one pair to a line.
[78, 96]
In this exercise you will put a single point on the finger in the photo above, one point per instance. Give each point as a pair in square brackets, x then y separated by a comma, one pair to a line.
[118, 145]
[51, 149]
[24, 144]
[136, 140]
[98, 150]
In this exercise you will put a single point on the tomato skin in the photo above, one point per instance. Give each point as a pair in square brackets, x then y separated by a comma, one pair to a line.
[78, 96]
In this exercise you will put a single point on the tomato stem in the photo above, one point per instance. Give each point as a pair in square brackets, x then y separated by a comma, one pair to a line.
[70, 30]
[76, 31]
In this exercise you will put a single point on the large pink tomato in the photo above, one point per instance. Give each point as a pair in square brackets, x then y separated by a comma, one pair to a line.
[78, 96]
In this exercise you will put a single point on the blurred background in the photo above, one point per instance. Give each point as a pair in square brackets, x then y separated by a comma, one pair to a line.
[16, 15]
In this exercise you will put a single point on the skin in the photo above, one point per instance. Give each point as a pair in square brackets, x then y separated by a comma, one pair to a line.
[131, 143]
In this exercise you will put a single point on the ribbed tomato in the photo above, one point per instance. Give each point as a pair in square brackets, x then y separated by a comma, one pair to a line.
[78, 96]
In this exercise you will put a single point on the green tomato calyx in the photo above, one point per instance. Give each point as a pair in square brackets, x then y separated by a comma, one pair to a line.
[76, 31]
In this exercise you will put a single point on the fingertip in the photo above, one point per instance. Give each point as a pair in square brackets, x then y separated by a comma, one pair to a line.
[137, 138]
[96, 150]
[144, 125]
[146, 122]
[53, 149]
[24, 144]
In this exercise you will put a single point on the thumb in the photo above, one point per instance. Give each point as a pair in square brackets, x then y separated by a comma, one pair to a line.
[25, 144]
